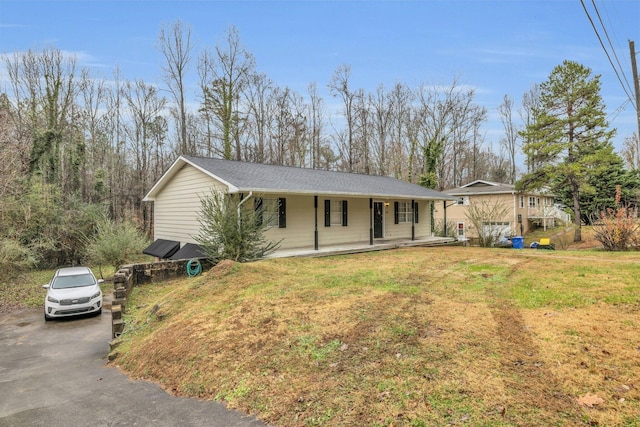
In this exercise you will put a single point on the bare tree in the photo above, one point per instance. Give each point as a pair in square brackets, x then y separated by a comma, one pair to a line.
[224, 75]
[119, 181]
[288, 132]
[259, 114]
[12, 166]
[44, 89]
[93, 95]
[363, 133]
[176, 47]
[315, 125]
[339, 87]
[433, 121]
[483, 216]
[466, 119]
[510, 141]
[530, 103]
[631, 151]
[400, 104]
[382, 111]
[145, 106]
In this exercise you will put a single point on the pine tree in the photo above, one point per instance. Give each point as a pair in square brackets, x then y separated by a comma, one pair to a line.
[568, 135]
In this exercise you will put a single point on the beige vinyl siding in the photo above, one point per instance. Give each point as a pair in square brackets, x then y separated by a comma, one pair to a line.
[358, 225]
[511, 203]
[299, 232]
[300, 229]
[300, 223]
[422, 228]
[177, 206]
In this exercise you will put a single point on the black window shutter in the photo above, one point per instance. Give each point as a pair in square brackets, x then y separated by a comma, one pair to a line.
[344, 213]
[257, 207]
[415, 212]
[396, 217]
[327, 213]
[282, 212]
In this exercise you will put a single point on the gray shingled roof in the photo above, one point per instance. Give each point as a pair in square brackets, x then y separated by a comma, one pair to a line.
[263, 178]
[479, 187]
[482, 187]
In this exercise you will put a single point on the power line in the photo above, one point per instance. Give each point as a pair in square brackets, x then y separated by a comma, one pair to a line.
[606, 33]
[624, 88]
[617, 111]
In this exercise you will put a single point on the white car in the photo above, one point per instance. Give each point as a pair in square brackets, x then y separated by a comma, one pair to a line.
[72, 291]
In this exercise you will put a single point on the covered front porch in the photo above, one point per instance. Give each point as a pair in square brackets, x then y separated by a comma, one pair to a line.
[352, 248]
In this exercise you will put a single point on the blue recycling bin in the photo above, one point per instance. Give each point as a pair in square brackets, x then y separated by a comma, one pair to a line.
[517, 242]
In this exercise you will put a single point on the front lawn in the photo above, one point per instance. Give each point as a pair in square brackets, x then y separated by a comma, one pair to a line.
[411, 337]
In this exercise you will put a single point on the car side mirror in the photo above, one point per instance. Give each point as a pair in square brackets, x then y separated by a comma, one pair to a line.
[100, 281]
[46, 286]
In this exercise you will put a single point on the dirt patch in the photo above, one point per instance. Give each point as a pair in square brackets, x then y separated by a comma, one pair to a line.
[535, 389]
[221, 269]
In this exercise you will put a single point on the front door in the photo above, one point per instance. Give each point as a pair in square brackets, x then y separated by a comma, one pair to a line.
[378, 220]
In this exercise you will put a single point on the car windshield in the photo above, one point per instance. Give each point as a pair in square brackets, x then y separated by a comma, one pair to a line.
[63, 282]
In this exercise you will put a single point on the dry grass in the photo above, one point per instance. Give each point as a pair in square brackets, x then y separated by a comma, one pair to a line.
[415, 337]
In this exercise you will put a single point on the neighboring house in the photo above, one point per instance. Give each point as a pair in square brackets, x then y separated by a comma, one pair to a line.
[309, 208]
[521, 211]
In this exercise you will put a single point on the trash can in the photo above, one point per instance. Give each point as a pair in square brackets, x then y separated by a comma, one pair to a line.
[518, 242]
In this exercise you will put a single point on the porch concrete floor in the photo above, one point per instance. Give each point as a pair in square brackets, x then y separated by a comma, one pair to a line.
[353, 248]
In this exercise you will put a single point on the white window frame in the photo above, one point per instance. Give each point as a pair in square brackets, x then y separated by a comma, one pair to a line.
[462, 200]
[405, 212]
[270, 212]
[336, 212]
[460, 231]
[532, 202]
[521, 202]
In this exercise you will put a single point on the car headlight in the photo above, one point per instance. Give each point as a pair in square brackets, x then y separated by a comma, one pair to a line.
[52, 299]
[96, 295]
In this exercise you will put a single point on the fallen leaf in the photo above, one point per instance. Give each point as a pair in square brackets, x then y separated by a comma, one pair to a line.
[590, 400]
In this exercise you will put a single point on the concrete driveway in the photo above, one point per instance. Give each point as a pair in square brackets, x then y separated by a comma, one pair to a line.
[54, 374]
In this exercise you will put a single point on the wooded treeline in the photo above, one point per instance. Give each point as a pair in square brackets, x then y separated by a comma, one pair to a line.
[107, 139]
[74, 141]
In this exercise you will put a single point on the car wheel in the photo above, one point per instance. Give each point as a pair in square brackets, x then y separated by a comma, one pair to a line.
[99, 312]
[47, 318]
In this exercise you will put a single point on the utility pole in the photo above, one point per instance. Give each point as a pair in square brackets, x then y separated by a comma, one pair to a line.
[636, 82]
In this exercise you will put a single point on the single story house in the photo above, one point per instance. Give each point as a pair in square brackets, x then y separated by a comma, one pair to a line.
[311, 208]
[520, 211]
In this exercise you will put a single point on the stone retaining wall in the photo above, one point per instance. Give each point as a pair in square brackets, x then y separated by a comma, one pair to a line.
[129, 276]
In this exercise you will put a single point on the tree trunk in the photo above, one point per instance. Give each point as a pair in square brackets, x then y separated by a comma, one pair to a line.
[577, 236]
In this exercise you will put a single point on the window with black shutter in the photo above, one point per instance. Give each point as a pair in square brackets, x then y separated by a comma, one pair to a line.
[257, 207]
[344, 213]
[282, 212]
[327, 213]
[335, 213]
[396, 214]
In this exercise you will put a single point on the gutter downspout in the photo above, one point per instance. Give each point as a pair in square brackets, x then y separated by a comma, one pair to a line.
[413, 220]
[515, 211]
[444, 204]
[240, 206]
[371, 221]
[315, 231]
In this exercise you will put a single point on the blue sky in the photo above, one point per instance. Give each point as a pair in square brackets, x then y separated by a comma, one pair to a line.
[497, 47]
